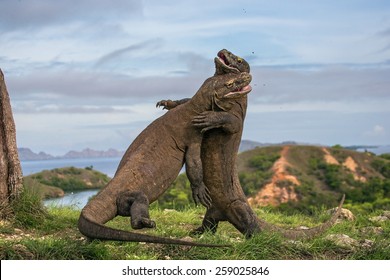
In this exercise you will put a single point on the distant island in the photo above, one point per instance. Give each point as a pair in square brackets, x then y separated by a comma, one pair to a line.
[26, 154]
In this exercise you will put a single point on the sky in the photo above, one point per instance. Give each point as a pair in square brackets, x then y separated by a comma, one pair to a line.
[88, 73]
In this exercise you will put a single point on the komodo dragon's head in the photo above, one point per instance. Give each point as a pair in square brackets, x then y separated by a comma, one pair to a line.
[230, 87]
[226, 62]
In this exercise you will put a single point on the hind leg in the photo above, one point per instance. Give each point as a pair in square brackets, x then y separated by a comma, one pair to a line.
[210, 222]
[135, 205]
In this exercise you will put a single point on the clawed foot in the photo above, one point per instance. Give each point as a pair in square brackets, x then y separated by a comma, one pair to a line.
[166, 104]
[143, 223]
[201, 195]
[207, 120]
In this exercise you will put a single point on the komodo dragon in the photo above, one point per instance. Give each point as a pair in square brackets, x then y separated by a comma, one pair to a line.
[219, 152]
[153, 161]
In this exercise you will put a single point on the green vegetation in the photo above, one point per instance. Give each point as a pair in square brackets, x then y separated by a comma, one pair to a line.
[321, 183]
[385, 156]
[178, 196]
[56, 237]
[53, 183]
[35, 232]
[28, 210]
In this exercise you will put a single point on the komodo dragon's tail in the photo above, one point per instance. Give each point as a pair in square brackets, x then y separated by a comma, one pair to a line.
[304, 233]
[95, 230]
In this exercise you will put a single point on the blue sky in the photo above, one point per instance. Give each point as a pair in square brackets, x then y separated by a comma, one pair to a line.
[88, 73]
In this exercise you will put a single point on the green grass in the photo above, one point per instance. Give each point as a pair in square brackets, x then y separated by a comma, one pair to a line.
[55, 236]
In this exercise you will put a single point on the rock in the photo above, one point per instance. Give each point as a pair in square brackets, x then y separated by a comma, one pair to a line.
[386, 214]
[346, 242]
[372, 230]
[384, 217]
[379, 219]
[366, 243]
[343, 241]
[345, 214]
[302, 228]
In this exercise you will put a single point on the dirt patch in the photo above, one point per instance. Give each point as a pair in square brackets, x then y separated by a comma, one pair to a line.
[329, 159]
[281, 188]
[350, 164]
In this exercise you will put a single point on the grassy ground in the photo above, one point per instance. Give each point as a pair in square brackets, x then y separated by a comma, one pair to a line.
[53, 234]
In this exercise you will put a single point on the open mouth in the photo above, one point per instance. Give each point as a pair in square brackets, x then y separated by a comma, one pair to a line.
[239, 93]
[224, 62]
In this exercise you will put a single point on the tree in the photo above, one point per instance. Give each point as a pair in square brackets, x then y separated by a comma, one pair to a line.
[11, 178]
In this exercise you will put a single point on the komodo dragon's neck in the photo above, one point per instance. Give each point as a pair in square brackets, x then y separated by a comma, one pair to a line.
[201, 101]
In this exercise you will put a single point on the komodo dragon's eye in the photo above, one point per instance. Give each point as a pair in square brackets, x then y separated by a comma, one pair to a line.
[229, 84]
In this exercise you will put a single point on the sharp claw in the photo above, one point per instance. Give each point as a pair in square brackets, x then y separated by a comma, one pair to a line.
[160, 103]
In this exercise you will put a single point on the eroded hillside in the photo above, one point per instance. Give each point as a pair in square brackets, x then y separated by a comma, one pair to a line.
[316, 175]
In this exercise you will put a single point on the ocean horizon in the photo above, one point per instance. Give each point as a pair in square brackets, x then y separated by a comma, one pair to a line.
[107, 166]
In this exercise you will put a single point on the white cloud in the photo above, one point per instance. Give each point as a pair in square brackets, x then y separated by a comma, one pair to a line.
[78, 67]
[377, 130]
[377, 134]
[33, 14]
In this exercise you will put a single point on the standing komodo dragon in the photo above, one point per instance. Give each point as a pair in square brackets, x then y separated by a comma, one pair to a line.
[219, 152]
[153, 161]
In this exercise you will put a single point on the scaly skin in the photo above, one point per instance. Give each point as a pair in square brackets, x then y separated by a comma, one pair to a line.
[154, 160]
[222, 130]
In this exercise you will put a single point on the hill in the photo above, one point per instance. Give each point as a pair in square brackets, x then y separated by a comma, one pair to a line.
[54, 183]
[26, 154]
[89, 153]
[312, 175]
[284, 176]
[304, 177]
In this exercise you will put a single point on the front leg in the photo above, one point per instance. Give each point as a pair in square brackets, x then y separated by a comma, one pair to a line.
[194, 171]
[224, 120]
[170, 104]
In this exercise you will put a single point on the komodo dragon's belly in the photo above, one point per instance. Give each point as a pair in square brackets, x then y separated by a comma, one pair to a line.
[150, 172]
[218, 157]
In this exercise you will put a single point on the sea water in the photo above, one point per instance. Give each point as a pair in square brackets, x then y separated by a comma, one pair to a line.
[105, 165]
[74, 199]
